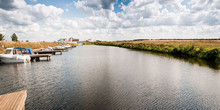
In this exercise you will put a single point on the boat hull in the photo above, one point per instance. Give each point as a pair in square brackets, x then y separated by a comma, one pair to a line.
[14, 59]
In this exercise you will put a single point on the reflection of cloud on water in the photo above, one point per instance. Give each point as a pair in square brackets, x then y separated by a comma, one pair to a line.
[13, 77]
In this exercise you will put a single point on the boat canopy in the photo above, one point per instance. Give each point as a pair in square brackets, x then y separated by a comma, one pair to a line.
[30, 51]
[19, 48]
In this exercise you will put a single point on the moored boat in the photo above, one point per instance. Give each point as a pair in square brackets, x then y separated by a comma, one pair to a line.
[13, 55]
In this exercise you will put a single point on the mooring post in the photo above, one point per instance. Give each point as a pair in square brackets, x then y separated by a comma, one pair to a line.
[38, 59]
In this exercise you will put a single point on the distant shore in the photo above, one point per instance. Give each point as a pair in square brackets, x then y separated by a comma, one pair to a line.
[208, 50]
[34, 45]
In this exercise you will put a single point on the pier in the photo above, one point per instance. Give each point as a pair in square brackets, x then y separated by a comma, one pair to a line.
[63, 50]
[13, 101]
[37, 57]
[53, 52]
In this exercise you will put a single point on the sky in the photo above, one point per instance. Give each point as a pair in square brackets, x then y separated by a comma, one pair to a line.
[110, 20]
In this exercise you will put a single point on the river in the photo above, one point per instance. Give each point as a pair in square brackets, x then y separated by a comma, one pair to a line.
[105, 77]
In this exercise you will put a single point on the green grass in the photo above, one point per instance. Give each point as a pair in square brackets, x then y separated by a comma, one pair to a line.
[208, 50]
[88, 43]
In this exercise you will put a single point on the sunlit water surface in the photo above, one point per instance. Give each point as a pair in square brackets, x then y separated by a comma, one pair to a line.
[100, 77]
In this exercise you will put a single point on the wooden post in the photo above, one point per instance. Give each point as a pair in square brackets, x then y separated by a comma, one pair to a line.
[37, 58]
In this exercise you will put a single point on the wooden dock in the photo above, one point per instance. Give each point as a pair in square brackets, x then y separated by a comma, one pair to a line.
[63, 50]
[53, 52]
[37, 57]
[13, 101]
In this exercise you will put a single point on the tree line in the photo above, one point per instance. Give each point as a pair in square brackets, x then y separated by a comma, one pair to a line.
[14, 37]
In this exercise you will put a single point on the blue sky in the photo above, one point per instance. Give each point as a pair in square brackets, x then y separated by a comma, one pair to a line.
[49, 20]
[69, 4]
[64, 4]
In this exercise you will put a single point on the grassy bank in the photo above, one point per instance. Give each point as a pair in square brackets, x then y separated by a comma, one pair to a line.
[34, 45]
[208, 50]
[88, 43]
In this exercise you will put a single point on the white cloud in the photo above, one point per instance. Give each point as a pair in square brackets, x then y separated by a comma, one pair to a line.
[161, 12]
[145, 19]
[27, 14]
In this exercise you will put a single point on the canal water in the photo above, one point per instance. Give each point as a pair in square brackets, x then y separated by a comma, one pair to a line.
[104, 77]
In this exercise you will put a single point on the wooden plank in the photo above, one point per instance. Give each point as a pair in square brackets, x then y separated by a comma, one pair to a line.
[48, 51]
[40, 55]
[13, 101]
[53, 52]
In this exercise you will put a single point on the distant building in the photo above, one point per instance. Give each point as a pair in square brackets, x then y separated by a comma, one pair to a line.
[63, 40]
[71, 39]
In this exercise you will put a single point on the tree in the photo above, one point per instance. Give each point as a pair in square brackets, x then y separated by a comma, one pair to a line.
[14, 37]
[1, 37]
[27, 40]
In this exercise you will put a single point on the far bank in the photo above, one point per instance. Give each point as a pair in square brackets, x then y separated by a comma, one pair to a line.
[208, 50]
[34, 45]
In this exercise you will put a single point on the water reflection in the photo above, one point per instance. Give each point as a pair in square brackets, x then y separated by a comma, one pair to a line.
[100, 77]
[200, 62]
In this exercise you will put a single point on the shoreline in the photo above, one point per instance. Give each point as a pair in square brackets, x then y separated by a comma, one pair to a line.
[208, 50]
[33, 45]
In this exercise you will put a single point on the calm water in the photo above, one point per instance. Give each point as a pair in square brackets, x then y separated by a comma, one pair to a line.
[100, 77]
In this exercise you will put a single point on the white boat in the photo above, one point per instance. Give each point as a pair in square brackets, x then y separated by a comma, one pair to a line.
[12, 55]
[47, 49]
[59, 47]
[62, 46]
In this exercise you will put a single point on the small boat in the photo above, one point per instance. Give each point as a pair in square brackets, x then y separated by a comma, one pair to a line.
[47, 49]
[62, 47]
[67, 46]
[59, 47]
[13, 55]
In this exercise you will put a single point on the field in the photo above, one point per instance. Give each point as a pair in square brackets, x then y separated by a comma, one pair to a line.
[34, 45]
[208, 50]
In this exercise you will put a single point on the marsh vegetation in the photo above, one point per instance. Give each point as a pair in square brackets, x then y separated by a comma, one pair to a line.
[208, 50]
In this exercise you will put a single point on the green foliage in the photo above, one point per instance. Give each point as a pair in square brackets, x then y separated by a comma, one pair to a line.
[1, 37]
[187, 50]
[88, 43]
[27, 40]
[14, 37]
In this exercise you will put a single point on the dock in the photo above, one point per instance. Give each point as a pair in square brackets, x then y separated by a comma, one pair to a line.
[63, 50]
[53, 52]
[13, 101]
[37, 57]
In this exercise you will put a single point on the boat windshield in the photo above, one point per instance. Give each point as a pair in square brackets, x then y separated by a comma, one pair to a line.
[8, 52]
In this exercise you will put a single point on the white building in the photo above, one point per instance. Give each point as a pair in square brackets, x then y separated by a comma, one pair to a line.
[63, 40]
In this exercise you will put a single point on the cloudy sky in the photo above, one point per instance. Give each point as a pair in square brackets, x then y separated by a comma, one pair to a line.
[49, 20]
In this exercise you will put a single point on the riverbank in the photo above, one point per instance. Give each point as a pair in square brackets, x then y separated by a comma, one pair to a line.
[208, 50]
[34, 45]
